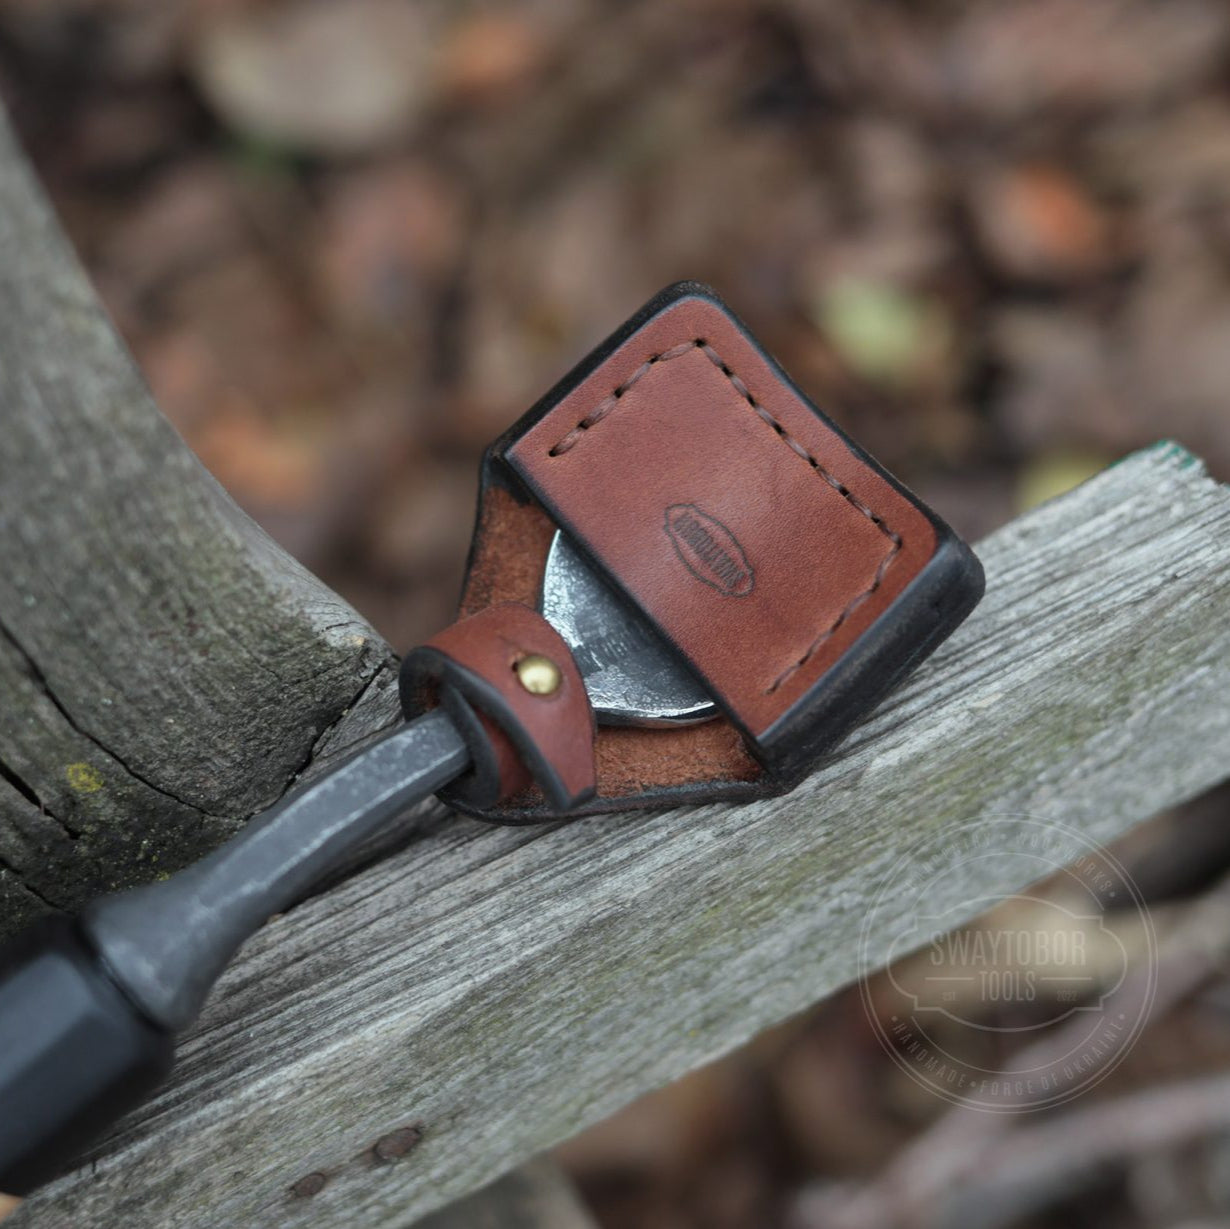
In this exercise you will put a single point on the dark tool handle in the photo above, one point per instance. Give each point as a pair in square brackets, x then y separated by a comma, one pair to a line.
[88, 1010]
[74, 1053]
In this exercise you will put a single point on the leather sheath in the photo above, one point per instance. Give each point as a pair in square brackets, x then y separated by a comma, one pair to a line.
[785, 567]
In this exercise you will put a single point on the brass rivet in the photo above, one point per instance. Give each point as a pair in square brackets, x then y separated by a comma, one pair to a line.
[539, 675]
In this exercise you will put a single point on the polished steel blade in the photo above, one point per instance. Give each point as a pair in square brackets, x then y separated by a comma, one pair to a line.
[631, 675]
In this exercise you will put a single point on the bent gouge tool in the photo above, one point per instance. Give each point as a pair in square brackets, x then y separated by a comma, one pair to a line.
[142, 962]
[685, 585]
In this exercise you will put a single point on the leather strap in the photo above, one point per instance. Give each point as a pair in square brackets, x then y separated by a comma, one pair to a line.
[475, 669]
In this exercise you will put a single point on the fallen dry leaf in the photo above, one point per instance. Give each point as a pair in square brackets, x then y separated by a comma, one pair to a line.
[1037, 223]
[391, 236]
[313, 75]
[490, 55]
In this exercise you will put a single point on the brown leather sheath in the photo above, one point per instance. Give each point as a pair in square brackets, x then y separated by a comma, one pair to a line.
[787, 569]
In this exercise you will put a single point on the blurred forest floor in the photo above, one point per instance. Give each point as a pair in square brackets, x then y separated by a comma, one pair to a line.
[350, 243]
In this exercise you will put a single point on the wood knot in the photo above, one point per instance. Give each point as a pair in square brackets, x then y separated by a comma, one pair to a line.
[397, 1144]
[309, 1185]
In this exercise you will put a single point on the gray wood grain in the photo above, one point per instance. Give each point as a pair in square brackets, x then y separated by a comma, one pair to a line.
[487, 992]
[165, 670]
[536, 1196]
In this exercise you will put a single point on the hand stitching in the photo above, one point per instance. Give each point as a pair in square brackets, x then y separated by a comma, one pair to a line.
[608, 403]
[841, 618]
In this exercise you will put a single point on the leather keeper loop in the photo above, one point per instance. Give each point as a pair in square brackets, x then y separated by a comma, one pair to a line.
[514, 734]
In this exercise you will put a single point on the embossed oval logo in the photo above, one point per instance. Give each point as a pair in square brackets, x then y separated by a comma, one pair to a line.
[709, 550]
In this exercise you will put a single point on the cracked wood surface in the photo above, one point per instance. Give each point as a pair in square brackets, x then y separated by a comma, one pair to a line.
[165, 670]
[488, 992]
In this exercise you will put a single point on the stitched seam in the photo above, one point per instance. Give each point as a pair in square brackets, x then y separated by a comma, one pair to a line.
[608, 404]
